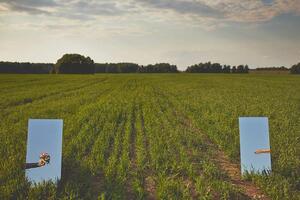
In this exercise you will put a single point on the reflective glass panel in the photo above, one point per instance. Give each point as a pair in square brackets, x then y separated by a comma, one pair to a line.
[254, 144]
[44, 150]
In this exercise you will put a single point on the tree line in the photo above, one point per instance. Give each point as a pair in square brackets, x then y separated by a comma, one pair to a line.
[135, 68]
[209, 67]
[25, 68]
[282, 68]
[79, 64]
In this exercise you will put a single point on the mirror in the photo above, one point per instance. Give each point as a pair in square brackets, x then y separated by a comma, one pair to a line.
[254, 144]
[44, 150]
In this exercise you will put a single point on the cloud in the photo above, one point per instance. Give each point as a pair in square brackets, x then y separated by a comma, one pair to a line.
[207, 14]
[102, 8]
[27, 9]
[228, 10]
[28, 6]
[257, 10]
[185, 7]
[68, 9]
[3, 8]
[31, 3]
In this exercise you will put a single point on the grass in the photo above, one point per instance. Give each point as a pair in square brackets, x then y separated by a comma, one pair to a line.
[145, 136]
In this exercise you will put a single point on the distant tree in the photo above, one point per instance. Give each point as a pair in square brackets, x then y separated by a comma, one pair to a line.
[226, 69]
[25, 68]
[192, 69]
[295, 69]
[135, 68]
[112, 68]
[128, 67]
[52, 71]
[142, 69]
[282, 68]
[100, 67]
[246, 69]
[240, 69]
[74, 64]
[159, 68]
[233, 70]
[149, 69]
[208, 67]
[215, 68]
[117, 68]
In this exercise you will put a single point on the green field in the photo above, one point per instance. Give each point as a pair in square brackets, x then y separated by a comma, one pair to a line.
[150, 136]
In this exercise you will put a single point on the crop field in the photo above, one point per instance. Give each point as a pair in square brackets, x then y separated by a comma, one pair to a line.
[154, 136]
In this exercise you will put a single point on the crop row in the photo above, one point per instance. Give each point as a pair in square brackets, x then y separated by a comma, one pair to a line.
[138, 136]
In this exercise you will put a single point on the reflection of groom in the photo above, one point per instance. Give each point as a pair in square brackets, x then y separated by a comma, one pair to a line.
[44, 158]
[259, 151]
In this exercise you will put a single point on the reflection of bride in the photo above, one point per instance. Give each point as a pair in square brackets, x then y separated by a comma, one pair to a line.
[44, 159]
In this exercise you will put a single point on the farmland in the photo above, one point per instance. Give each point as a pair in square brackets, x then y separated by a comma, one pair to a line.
[150, 136]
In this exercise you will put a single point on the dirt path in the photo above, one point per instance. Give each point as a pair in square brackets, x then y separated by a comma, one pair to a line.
[97, 184]
[234, 172]
[248, 188]
[231, 169]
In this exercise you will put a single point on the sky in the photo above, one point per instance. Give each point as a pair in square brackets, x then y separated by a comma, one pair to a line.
[260, 33]
[44, 136]
[254, 135]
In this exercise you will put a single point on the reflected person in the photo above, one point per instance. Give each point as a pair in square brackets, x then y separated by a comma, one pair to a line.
[44, 159]
[259, 151]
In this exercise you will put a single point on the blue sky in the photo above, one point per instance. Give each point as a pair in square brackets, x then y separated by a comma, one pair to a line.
[254, 135]
[44, 136]
[261, 33]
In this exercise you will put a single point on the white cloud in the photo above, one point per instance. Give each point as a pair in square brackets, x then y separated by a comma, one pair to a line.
[228, 10]
[207, 14]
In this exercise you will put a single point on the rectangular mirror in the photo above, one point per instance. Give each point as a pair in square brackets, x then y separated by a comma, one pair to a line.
[44, 150]
[254, 144]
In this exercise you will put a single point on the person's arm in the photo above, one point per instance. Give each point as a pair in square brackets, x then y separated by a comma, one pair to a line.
[35, 165]
[31, 165]
[258, 151]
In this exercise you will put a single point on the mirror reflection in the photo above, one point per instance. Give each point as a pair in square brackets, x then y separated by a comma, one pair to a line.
[44, 150]
[254, 145]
